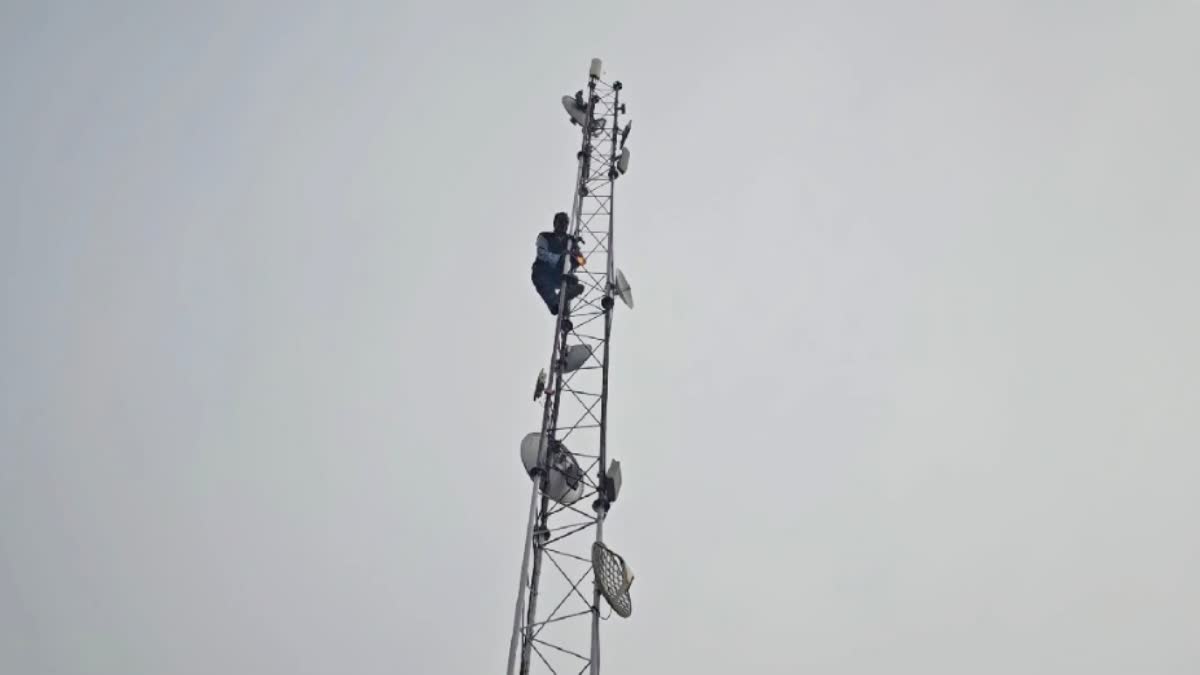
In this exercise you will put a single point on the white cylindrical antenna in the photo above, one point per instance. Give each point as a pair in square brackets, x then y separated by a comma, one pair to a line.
[596, 68]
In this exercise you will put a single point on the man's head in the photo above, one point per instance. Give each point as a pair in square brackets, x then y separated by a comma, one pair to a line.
[561, 220]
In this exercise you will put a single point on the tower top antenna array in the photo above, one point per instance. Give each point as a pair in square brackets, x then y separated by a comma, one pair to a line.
[566, 566]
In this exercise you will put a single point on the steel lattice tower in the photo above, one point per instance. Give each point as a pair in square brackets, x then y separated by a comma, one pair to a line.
[566, 568]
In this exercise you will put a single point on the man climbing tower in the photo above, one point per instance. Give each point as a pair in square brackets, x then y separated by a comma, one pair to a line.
[547, 274]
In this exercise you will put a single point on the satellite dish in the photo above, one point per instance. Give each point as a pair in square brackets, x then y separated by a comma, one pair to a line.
[540, 386]
[623, 290]
[573, 105]
[576, 356]
[565, 484]
[614, 577]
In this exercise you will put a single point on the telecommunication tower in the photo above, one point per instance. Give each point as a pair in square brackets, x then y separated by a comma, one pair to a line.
[570, 579]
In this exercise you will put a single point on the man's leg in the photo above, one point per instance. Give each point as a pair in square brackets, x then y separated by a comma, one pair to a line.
[547, 288]
[574, 288]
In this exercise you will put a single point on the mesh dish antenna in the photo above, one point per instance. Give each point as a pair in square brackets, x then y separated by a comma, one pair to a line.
[614, 577]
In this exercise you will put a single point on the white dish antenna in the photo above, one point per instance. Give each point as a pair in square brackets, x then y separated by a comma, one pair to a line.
[540, 387]
[578, 114]
[623, 290]
[565, 477]
[576, 356]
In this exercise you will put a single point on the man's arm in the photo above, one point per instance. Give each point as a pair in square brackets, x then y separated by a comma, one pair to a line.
[544, 254]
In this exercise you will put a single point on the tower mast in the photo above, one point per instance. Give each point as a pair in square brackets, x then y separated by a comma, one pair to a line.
[574, 483]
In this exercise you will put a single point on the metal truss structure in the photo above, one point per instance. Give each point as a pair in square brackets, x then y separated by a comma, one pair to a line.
[566, 568]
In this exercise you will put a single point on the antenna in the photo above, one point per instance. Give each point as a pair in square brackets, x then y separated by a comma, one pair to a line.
[567, 570]
[614, 578]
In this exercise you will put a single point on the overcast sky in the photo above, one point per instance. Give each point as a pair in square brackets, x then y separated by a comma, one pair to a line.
[911, 386]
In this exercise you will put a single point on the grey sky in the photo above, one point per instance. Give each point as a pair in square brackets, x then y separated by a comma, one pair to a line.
[911, 386]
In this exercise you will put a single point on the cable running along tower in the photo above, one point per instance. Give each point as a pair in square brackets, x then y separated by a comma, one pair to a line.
[571, 581]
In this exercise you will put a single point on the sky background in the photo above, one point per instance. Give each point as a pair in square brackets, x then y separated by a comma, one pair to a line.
[911, 385]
